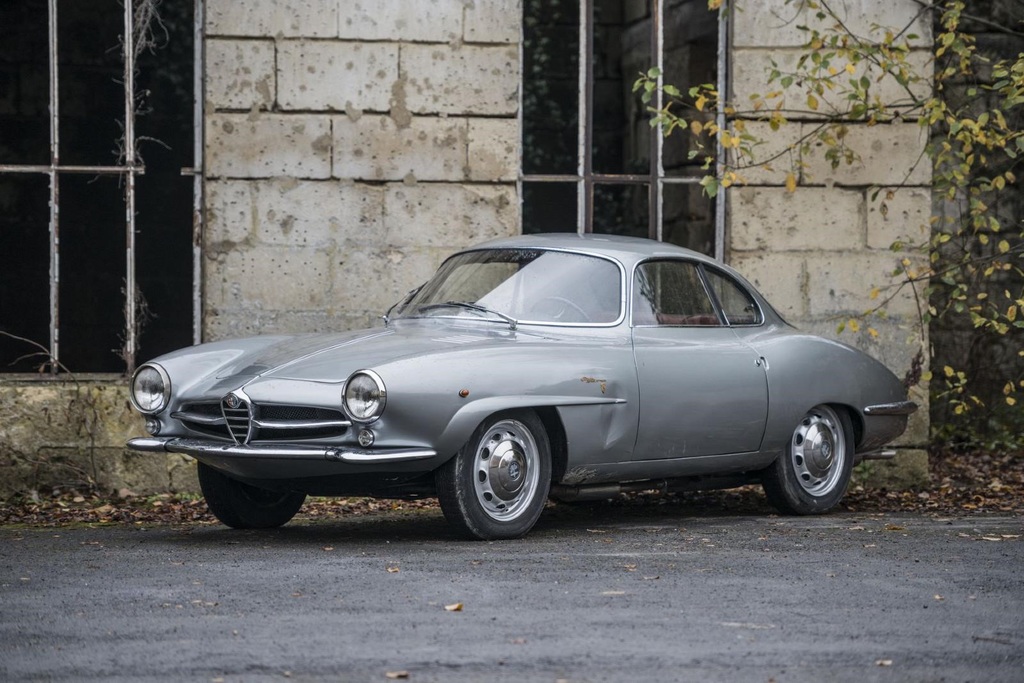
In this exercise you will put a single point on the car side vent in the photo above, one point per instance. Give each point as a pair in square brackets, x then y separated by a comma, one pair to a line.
[238, 415]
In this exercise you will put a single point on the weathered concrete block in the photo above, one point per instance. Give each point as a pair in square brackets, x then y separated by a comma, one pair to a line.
[888, 155]
[377, 148]
[276, 277]
[229, 214]
[766, 218]
[436, 21]
[777, 155]
[287, 18]
[468, 79]
[71, 435]
[899, 214]
[319, 214]
[780, 277]
[459, 215]
[268, 145]
[493, 21]
[841, 284]
[240, 74]
[908, 470]
[336, 75]
[493, 149]
[775, 23]
[368, 282]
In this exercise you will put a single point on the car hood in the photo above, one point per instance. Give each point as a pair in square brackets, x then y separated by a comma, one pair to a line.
[332, 358]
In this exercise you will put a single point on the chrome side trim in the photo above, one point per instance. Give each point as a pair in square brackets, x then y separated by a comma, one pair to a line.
[884, 454]
[898, 408]
[198, 448]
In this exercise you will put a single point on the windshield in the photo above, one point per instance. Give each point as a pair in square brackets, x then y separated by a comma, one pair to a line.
[525, 285]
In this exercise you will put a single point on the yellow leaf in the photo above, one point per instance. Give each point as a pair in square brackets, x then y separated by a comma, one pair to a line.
[1011, 313]
[874, 293]
[873, 332]
[812, 102]
[790, 182]
[1004, 246]
[696, 127]
[949, 371]
[1011, 401]
[853, 325]
[850, 68]
[454, 607]
[700, 103]
[714, 4]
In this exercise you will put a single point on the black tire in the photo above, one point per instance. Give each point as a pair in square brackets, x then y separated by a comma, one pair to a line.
[811, 475]
[242, 506]
[497, 484]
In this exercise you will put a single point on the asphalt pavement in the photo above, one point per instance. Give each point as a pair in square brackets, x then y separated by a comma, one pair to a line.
[595, 593]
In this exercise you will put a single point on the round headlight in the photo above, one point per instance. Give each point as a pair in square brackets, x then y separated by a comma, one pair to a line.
[151, 388]
[365, 396]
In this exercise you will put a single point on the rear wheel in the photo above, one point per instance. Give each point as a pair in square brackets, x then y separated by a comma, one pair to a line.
[496, 485]
[243, 506]
[811, 476]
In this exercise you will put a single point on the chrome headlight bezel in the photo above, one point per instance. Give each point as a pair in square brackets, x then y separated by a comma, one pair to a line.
[373, 396]
[160, 398]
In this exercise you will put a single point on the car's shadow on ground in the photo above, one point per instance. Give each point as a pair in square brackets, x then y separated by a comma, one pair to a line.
[427, 525]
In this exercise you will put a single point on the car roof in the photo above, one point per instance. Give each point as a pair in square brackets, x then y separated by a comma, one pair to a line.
[625, 249]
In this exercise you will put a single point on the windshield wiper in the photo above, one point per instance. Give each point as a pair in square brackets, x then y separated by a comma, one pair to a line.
[512, 322]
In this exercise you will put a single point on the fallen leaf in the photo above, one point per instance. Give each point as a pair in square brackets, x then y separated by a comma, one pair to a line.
[395, 675]
[393, 570]
[613, 593]
[629, 567]
[883, 662]
[454, 607]
[991, 538]
[939, 597]
[327, 548]
[895, 527]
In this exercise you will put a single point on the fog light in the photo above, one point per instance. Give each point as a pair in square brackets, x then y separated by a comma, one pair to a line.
[152, 426]
[366, 438]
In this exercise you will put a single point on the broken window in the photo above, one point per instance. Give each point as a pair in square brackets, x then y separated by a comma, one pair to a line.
[96, 216]
[591, 161]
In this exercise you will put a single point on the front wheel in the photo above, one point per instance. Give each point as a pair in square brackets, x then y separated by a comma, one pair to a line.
[242, 506]
[811, 475]
[496, 485]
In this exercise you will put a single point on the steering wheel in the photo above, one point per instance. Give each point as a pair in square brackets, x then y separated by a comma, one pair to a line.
[562, 307]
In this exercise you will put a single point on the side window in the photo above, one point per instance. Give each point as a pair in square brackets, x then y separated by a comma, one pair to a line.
[671, 293]
[739, 307]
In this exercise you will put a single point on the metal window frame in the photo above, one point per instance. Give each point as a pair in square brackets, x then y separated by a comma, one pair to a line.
[585, 178]
[129, 169]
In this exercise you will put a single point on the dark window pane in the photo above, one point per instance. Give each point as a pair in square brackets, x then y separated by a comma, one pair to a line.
[24, 83]
[549, 207]
[91, 75]
[163, 196]
[688, 216]
[671, 293]
[621, 210]
[736, 303]
[92, 273]
[24, 272]
[550, 86]
[690, 58]
[622, 49]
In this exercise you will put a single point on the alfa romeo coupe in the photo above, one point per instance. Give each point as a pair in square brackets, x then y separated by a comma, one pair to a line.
[536, 366]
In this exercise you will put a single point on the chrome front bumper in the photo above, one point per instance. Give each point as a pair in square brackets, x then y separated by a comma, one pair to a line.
[199, 447]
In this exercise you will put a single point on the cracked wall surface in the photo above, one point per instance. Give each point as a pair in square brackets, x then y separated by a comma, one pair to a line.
[350, 147]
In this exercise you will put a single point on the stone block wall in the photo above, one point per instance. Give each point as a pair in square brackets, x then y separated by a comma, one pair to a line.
[350, 146]
[819, 251]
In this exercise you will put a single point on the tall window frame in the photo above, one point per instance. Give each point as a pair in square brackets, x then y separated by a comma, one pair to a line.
[127, 168]
[656, 179]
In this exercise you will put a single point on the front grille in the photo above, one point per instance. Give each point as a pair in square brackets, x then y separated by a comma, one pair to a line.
[248, 423]
[237, 414]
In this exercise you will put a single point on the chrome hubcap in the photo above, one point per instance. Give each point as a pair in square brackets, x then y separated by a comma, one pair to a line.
[506, 472]
[818, 451]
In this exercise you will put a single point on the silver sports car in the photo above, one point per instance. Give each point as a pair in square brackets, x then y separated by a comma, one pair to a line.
[555, 365]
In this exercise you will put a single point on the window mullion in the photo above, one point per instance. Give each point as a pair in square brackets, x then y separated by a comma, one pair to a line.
[657, 170]
[54, 193]
[584, 196]
[129, 188]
